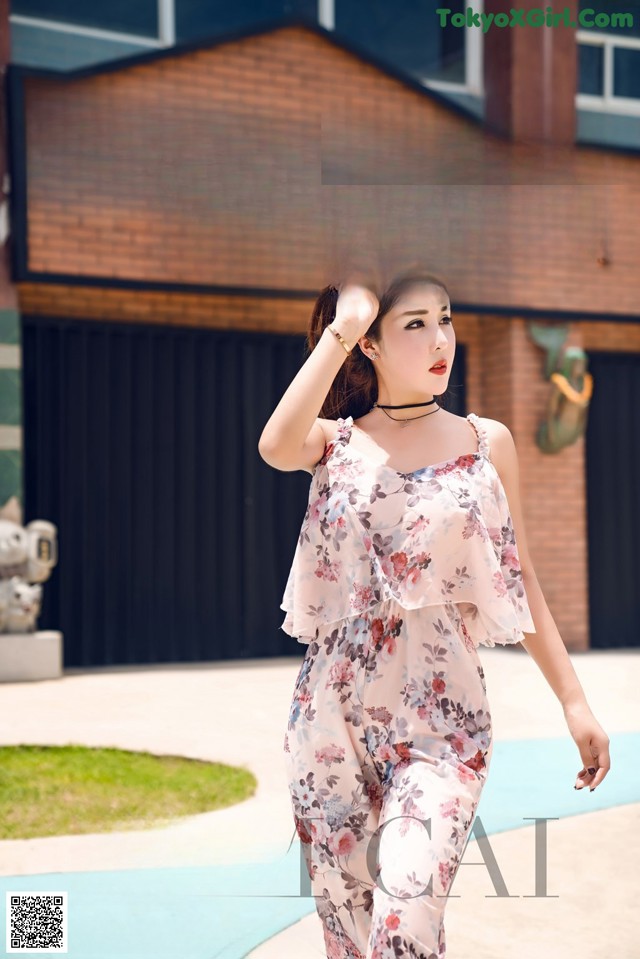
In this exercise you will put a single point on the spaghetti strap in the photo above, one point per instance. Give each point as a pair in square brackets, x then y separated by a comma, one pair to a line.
[345, 424]
[483, 439]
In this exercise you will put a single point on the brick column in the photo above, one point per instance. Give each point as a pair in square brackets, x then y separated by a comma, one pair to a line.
[10, 353]
[530, 76]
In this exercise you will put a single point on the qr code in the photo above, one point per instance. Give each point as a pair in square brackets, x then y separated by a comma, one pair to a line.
[37, 922]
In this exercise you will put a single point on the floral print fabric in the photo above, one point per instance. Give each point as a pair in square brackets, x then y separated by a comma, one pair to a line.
[440, 534]
[397, 579]
[387, 749]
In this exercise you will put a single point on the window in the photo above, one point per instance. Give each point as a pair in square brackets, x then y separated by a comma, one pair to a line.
[626, 72]
[609, 59]
[121, 16]
[196, 19]
[408, 35]
[590, 68]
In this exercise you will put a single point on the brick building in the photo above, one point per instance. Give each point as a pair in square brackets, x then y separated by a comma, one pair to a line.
[173, 215]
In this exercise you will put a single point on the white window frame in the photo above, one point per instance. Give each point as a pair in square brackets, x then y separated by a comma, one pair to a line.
[167, 22]
[166, 28]
[608, 102]
[473, 82]
[473, 63]
[327, 14]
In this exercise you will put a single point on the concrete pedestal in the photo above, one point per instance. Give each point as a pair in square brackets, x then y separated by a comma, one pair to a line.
[27, 656]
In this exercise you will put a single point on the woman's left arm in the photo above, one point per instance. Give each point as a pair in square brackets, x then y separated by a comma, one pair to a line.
[546, 646]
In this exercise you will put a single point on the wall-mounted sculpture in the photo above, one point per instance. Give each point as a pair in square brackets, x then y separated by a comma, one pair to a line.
[570, 390]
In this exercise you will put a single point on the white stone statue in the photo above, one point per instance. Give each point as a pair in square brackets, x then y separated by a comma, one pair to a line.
[27, 556]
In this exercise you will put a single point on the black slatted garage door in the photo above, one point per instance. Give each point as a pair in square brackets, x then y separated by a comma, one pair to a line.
[140, 444]
[613, 501]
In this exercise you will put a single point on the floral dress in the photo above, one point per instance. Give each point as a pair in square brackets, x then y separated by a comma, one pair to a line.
[397, 578]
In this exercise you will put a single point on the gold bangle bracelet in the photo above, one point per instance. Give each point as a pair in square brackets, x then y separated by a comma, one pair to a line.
[340, 338]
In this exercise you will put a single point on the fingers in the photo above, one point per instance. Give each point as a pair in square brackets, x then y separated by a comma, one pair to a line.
[588, 771]
[585, 777]
[604, 764]
[592, 774]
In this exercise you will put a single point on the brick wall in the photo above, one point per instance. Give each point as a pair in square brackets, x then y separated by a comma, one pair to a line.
[261, 161]
[265, 161]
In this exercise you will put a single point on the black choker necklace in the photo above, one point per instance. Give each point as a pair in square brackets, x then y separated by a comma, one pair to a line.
[408, 405]
[403, 422]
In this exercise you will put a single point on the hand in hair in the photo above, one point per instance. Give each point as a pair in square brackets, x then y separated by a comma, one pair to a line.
[356, 309]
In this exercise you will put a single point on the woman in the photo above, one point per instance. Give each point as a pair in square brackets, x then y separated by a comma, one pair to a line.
[412, 553]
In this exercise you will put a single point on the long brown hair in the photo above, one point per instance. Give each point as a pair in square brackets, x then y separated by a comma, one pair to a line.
[355, 388]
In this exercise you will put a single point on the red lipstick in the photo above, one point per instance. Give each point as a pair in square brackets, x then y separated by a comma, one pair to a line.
[439, 369]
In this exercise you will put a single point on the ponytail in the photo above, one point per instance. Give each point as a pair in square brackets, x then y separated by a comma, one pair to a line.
[355, 388]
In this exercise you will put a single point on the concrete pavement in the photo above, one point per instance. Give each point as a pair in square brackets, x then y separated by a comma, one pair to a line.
[236, 712]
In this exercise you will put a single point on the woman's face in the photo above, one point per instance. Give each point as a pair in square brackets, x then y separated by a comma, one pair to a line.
[415, 333]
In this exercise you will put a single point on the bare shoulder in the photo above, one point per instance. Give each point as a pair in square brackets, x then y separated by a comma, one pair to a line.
[502, 448]
[495, 429]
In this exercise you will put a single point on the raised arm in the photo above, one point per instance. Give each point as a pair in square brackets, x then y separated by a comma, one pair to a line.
[293, 437]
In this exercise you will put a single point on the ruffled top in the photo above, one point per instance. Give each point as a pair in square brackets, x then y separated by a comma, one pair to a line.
[440, 534]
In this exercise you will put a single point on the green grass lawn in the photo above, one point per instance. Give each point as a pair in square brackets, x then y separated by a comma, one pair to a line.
[72, 790]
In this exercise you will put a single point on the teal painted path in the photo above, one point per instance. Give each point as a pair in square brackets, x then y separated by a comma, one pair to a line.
[224, 912]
